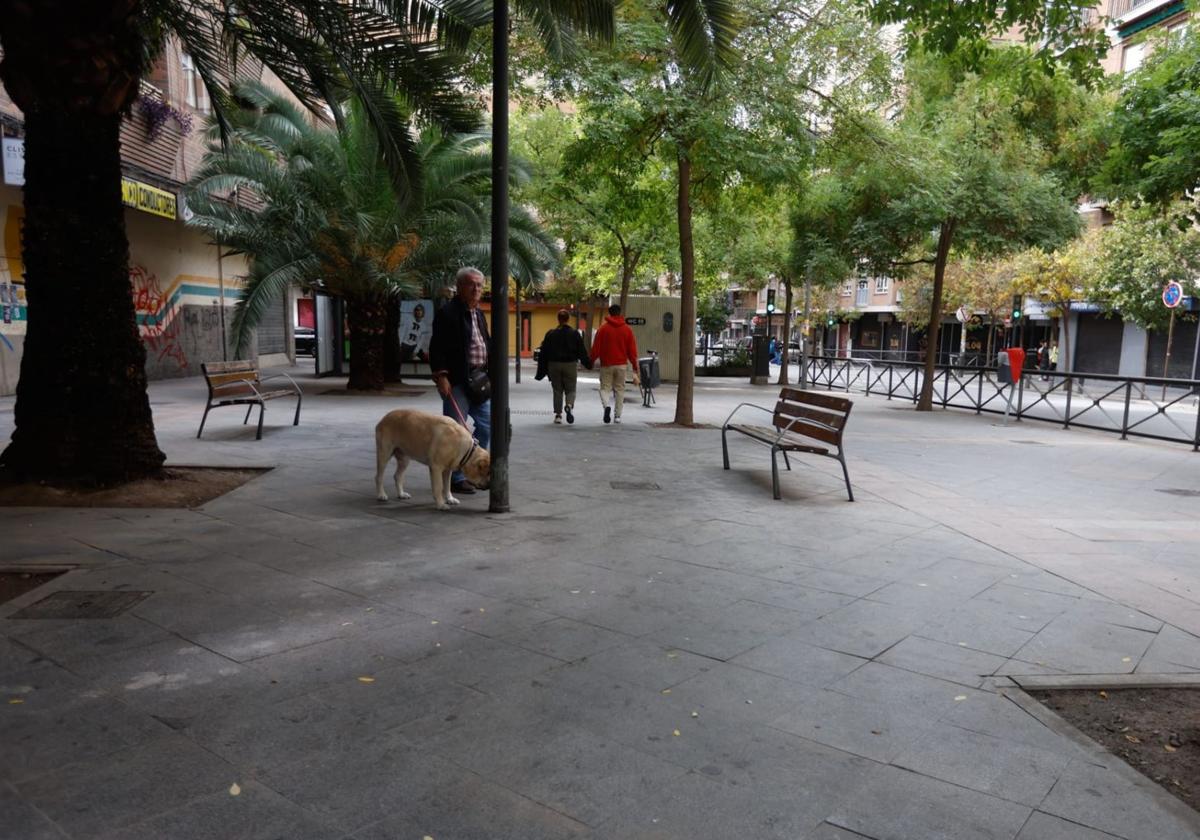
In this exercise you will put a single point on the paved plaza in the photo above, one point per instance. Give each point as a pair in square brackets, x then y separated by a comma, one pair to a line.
[646, 648]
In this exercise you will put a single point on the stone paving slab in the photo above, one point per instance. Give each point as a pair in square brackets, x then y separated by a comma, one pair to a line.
[697, 661]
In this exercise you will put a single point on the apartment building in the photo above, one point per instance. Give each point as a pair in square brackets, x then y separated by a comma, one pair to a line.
[183, 291]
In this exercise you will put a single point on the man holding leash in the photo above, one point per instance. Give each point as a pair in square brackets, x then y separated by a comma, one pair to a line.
[458, 357]
[613, 346]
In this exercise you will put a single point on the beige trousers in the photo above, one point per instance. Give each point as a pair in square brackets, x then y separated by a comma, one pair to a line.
[612, 380]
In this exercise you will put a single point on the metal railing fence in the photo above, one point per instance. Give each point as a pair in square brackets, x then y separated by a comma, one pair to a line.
[1130, 406]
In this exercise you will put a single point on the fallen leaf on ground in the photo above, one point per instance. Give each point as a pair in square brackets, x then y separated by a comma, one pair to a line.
[1133, 739]
[665, 691]
[676, 733]
[433, 622]
[1168, 748]
[960, 697]
[366, 679]
[695, 714]
[235, 789]
[1126, 658]
[1103, 695]
[15, 701]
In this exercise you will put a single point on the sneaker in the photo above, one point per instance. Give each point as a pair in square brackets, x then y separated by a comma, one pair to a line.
[607, 414]
[617, 419]
[557, 419]
[463, 487]
[570, 416]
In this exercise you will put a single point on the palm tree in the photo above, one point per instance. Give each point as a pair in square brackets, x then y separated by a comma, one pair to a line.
[326, 214]
[74, 69]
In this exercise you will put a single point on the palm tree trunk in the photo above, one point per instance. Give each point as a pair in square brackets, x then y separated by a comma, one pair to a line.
[945, 236]
[367, 317]
[82, 410]
[391, 341]
[687, 295]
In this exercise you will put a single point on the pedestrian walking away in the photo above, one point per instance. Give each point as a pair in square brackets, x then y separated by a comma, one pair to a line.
[1054, 356]
[561, 353]
[1043, 359]
[458, 357]
[614, 346]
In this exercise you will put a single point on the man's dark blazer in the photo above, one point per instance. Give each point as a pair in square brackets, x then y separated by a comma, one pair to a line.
[450, 344]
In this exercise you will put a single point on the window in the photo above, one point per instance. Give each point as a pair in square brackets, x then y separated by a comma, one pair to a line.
[1176, 31]
[846, 289]
[194, 91]
[1134, 55]
[881, 285]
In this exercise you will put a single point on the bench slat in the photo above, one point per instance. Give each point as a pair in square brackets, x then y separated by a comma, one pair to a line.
[241, 366]
[808, 429]
[814, 398]
[768, 435]
[799, 412]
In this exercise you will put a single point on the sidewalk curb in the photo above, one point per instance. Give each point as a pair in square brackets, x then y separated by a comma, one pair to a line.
[1101, 756]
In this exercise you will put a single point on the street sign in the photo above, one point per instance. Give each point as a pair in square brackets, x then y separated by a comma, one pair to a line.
[1172, 294]
[962, 315]
[635, 322]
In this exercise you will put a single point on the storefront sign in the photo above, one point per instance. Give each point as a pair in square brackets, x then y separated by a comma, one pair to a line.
[14, 161]
[148, 199]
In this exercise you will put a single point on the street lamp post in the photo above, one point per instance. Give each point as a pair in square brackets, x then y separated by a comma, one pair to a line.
[498, 487]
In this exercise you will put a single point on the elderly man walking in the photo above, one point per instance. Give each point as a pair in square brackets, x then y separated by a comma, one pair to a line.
[613, 346]
[458, 357]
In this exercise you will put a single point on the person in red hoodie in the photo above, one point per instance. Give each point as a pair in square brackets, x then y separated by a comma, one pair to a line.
[613, 346]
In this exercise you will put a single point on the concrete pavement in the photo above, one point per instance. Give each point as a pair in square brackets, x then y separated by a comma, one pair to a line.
[646, 647]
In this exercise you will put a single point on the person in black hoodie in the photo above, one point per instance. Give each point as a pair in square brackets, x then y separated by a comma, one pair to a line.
[458, 354]
[561, 354]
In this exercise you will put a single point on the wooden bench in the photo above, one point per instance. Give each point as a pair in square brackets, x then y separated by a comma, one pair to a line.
[241, 383]
[799, 418]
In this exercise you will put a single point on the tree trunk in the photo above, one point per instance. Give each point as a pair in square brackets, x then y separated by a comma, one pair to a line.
[687, 296]
[945, 236]
[520, 338]
[626, 277]
[1064, 352]
[367, 319]
[82, 411]
[391, 341]
[787, 330]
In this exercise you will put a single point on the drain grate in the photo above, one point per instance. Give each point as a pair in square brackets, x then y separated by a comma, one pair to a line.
[83, 604]
[1179, 491]
[633, 485]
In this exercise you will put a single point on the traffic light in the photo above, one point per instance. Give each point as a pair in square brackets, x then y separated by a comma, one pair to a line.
[830, 321]
[1016, 308]
[770, 300]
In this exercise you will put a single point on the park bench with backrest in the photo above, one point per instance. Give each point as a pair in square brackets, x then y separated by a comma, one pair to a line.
[800, 418]
[242, 383]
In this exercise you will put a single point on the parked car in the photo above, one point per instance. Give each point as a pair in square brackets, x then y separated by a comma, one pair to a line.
[306, 341]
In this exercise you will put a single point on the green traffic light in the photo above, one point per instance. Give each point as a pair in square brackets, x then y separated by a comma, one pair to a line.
[1016, 314]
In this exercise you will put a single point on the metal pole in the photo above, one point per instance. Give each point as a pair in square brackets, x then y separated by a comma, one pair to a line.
[221, 311]
[807, 330]
[1167, 359]
[498, 495]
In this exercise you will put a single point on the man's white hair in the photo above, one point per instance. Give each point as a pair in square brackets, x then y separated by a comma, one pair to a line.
[467, 271]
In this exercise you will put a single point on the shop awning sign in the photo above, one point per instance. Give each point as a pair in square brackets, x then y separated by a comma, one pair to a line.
[148, 199]
[14, 161]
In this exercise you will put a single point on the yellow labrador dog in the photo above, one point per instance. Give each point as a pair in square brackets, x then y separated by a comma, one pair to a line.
[440, 443]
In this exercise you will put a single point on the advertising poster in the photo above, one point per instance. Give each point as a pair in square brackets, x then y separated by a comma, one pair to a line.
[416, 327]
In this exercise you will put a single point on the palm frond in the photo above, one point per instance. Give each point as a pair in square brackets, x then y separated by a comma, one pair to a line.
[703, 31]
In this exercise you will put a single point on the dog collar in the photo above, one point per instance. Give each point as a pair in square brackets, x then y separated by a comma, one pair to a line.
[467, 457]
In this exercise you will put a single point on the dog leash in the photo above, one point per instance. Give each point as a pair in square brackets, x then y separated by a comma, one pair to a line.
[463, 420]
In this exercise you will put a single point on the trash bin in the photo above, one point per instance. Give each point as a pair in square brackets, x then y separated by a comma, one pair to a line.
[651, 376]
[760, 361]
[649, 371]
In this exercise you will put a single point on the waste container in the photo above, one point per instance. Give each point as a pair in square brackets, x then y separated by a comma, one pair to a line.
[651, 376]
[761, 361]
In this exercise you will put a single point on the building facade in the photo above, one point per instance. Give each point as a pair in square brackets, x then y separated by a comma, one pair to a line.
[183, 290]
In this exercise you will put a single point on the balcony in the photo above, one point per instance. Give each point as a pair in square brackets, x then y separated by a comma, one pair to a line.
[1123, 8]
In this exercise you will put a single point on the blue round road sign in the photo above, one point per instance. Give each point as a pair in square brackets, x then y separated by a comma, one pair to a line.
[1172, 294]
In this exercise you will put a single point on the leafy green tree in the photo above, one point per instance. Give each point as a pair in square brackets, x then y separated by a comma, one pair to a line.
[1137, 256]
[74, 69]
[1155, 133]
[956, 173]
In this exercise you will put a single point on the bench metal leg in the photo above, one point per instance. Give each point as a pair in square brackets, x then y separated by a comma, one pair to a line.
[846, 474]
[724, 447]
[786, 462]
[775, 473]
[207, 409]
[296, 419]
[262, 409]
[246, 419]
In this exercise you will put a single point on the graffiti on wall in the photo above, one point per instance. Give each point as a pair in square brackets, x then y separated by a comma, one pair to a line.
[158, 324]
